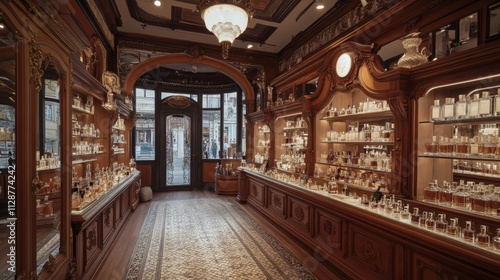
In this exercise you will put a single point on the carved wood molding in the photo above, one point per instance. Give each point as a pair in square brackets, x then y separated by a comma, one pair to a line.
[91, 240]
[36, 61]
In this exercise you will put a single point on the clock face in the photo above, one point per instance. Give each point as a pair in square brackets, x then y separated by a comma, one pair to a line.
[344, 64]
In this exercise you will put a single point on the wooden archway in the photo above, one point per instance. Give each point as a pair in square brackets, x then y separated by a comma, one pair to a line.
[155, 62]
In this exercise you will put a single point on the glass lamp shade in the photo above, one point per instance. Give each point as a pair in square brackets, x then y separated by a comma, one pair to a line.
[226, 21]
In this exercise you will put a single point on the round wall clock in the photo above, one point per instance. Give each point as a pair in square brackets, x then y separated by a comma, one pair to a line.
[344, 65]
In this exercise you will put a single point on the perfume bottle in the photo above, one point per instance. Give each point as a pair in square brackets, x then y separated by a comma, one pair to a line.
[453, 229]
[422, 219]
[448, 109]
[430, 223]
[441, 223]
[445, 194]
[485, 104]
[482, 238]
[415, 217]
[496, 241]
[473, 107]
[496, 110]
[431, 192]
[405, 215]
[435, 111]
[432, 147]
[468, 234]
[461, 107]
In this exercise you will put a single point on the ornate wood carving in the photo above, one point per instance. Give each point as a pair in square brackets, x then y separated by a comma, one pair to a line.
[91, 239]
[277, 201]
[36, 60]
[298, 213]
[179, 101]
[107, 214]
[368, 253]
[255, 192]
[444, 273]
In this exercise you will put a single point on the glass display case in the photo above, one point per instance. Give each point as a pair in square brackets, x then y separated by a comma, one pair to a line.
[355, 138]
[458, 158]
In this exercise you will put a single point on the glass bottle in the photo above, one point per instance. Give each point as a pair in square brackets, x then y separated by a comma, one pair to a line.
[473, 107]
[445, 194]
[448, 109]
[405, 215]
[485, 104]
[481, 201]
[430, 223]
[468, 234]
[432, 147]
[496, 110]
[482, 238]
[441, 223]
[453, 229]
[415, 217]
[461, 197]
[496, 241]
[461, 107]
[435, 111]
[431, 192]
[422, 219]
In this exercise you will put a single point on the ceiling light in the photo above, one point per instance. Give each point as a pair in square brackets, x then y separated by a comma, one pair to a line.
[227, 19]
[364, 3]
[2, 26]
[157, 3]
[319, 5]
[249, 46]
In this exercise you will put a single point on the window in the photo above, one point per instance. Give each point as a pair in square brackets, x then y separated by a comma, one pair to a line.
[145, 124]
[230, 125]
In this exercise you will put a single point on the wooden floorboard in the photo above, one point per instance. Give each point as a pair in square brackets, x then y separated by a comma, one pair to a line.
[115, 266]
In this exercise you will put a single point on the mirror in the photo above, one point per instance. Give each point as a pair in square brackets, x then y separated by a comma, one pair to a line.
[311, 86]
[48, 165]
[8, 50]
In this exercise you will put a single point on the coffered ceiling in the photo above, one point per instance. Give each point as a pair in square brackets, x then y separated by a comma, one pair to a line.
[274, 25]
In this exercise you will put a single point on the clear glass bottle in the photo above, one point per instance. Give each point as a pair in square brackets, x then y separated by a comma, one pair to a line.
[496, 110]
[481, 201]
[453, 229]
[432, 147]
[430, 223]
[441, 223]
[435, 111]
[431, 192]
[468, 233]
[473, 107]
[445, 194]
[415, 216]
[485, 104]
[461, 197]
[482, 238]
[448, 109]
[496, 241]
[422, 219]
[405, 215]
[461, 107]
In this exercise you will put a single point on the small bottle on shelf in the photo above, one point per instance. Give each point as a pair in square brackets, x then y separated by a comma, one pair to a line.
[435, 112]
[432, 147]
[461, 107]
[441, 223]
[453, 229]
[496, 241]
[431, 192]
[482, 238]
[422, 220]
[485, 104]
[448, 109]
[415, 216]
[430, 223]
[473, 107]
[496, 110]
[468, 234]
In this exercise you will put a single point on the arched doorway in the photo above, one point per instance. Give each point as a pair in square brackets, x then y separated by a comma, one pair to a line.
[154, 167]
[179, 144]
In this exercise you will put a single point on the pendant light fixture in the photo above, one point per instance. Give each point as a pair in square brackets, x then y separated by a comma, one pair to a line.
[227, 19]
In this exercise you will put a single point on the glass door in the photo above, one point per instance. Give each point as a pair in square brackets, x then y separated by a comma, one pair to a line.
[178, 150]
[179, 144]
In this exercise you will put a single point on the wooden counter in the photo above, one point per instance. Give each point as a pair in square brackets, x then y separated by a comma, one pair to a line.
[355, 242]
[96, 227]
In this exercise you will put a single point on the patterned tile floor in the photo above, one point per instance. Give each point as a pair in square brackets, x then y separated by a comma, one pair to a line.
[208, 238]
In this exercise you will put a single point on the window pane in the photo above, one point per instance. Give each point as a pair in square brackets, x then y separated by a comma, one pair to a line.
[145, 125]
[211, 101]
[244, 127]
[211, 134]
[230, 129]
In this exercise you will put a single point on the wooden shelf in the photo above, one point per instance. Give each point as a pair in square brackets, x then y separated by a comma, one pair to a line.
[360, 142]
[355, 167]
[83, 161]
[87, 137]
[81, 110]
[479, 120]
[476, 158]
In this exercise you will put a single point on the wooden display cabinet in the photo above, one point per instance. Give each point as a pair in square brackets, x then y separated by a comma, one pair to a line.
[354, 143]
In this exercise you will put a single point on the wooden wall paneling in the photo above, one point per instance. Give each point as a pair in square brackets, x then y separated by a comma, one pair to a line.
[257, 192]
[208, 169]
[146, 170]
[300, 215]
[328, 232]
[277, 203]
[91, 237]
[107, 222]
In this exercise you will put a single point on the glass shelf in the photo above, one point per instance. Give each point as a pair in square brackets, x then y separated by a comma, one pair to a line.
[88, 155]
[459, 157]
[360, 142]
[355, 167]
[368, 116]
[87, 137]
[465, 121]
[83, 161]
[81, 110]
